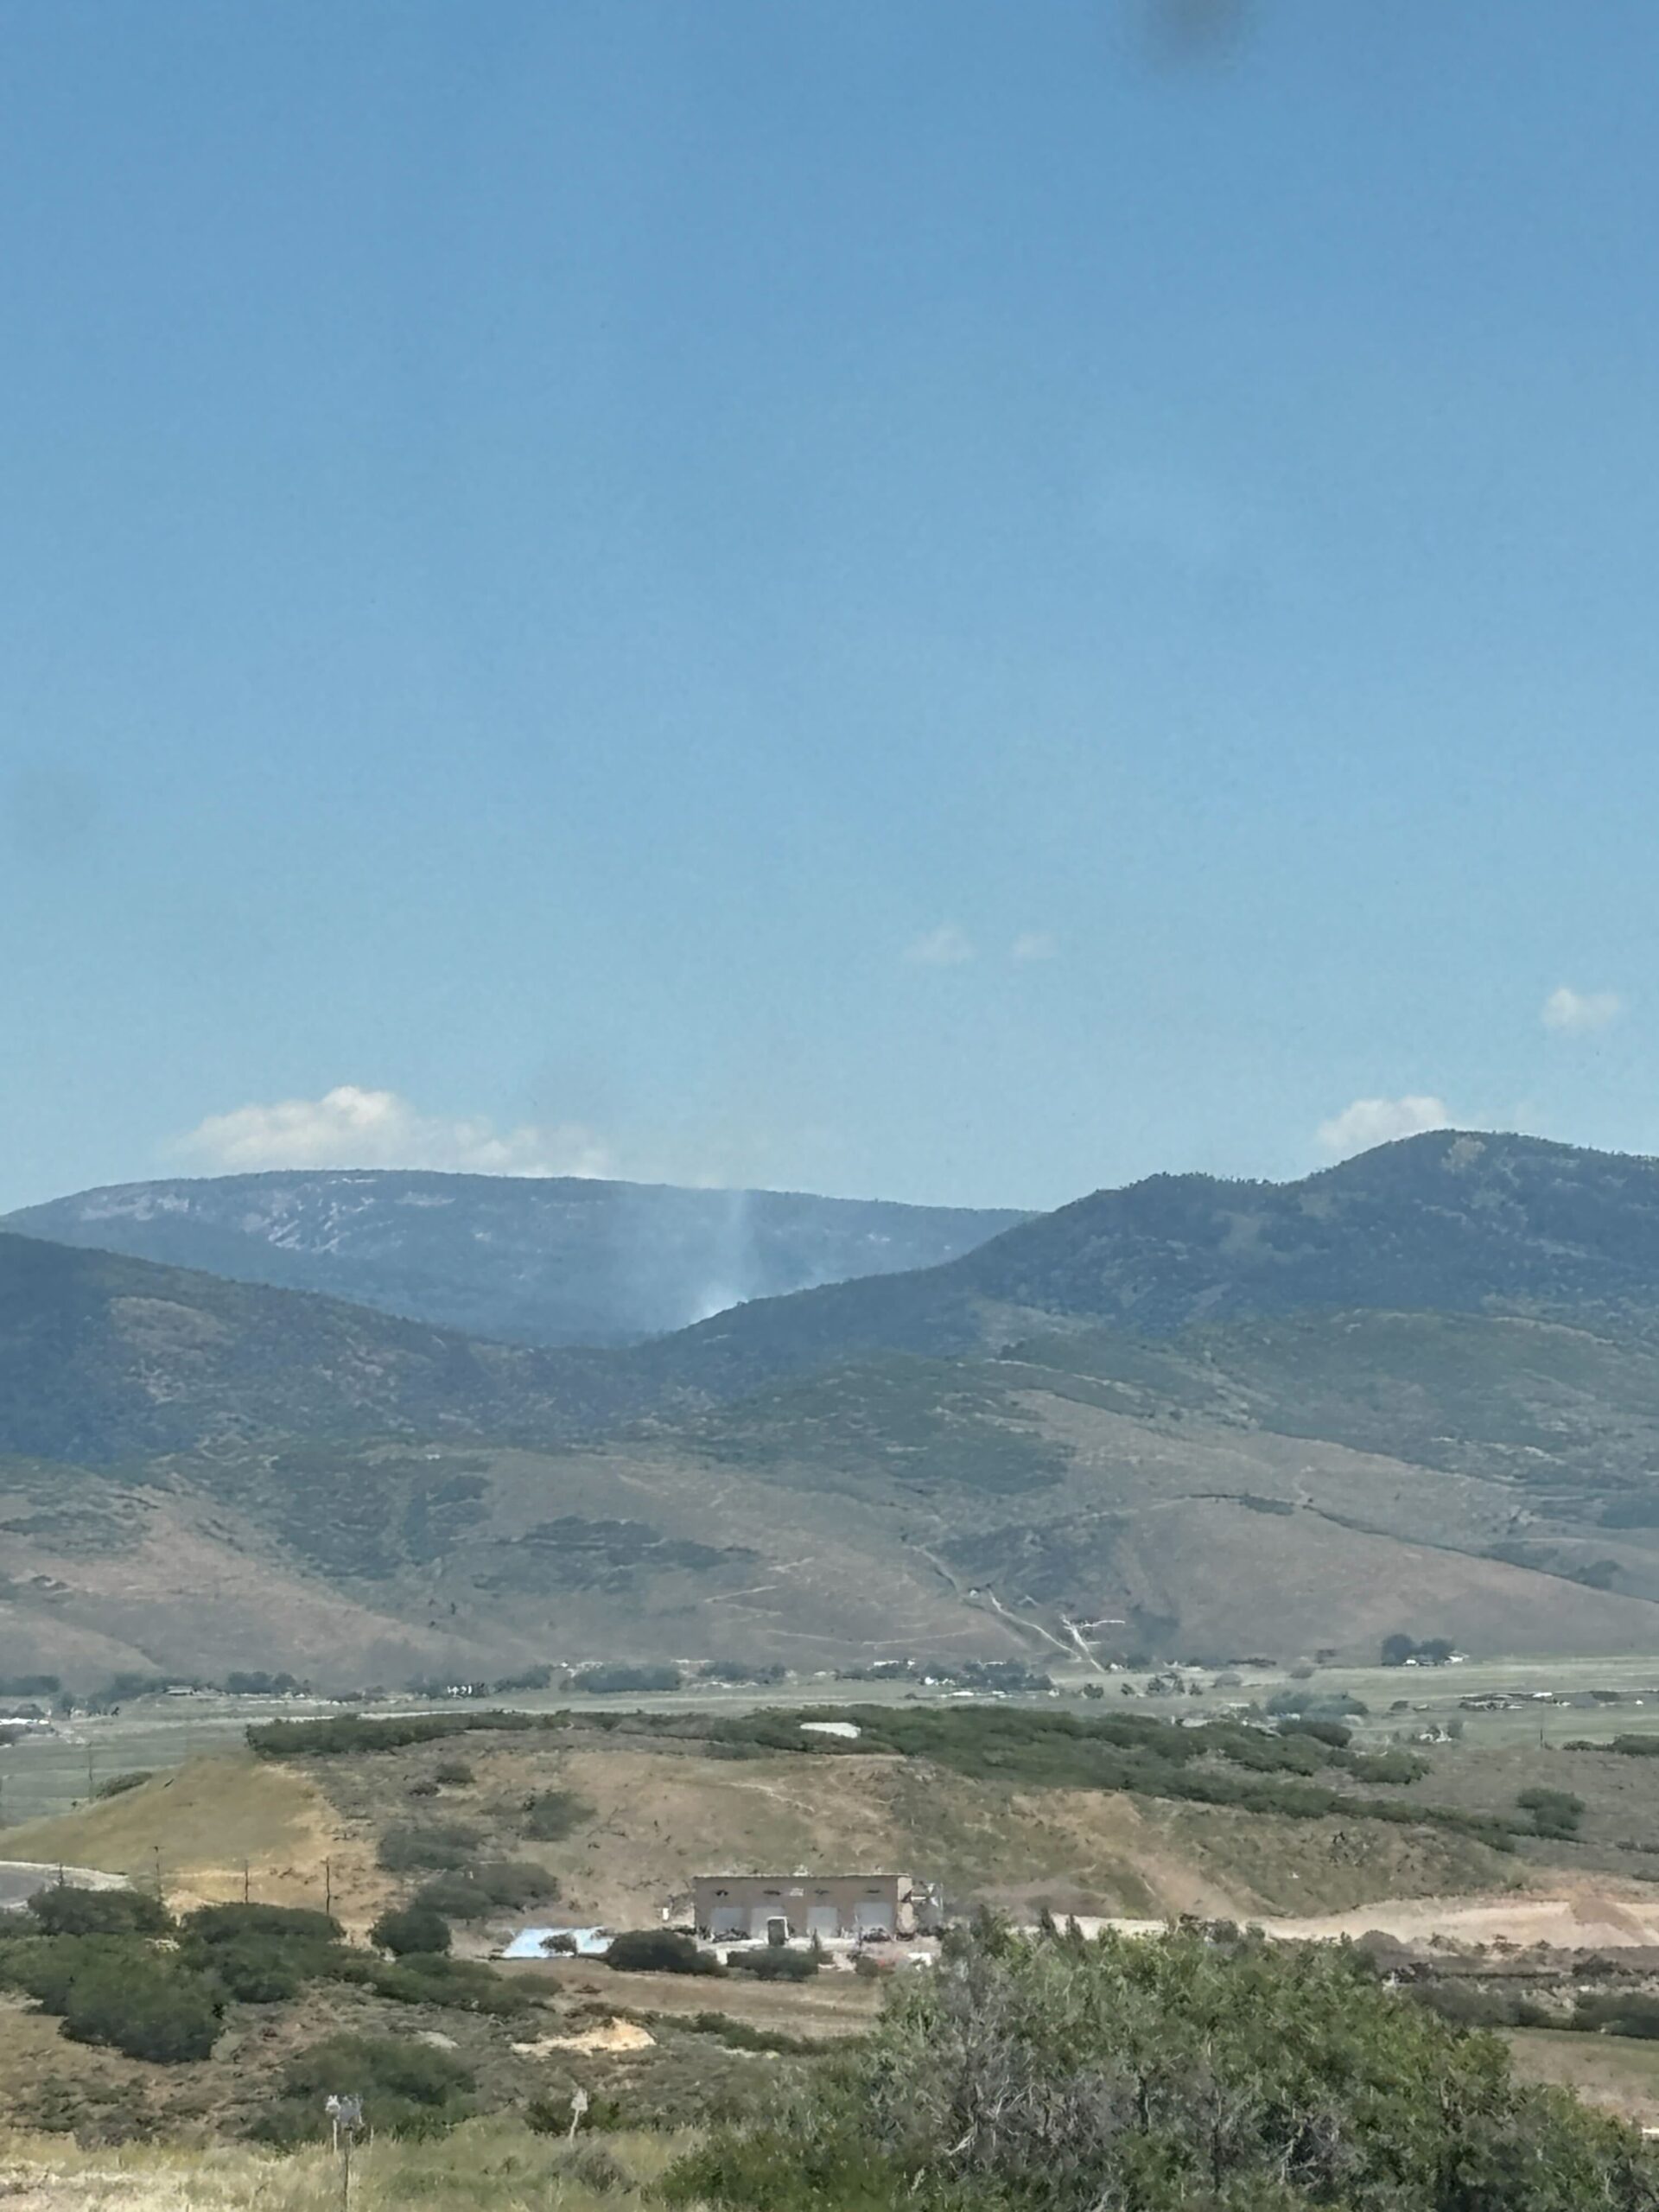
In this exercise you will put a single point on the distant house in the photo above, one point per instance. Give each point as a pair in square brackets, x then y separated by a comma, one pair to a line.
[779, 1908]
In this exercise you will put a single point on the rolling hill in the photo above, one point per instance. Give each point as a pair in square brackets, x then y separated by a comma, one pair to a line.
[1419, 1392]
[1450, 1222]
[552, 1261]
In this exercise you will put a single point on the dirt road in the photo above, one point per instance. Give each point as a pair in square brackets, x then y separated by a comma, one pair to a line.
[20, 1878]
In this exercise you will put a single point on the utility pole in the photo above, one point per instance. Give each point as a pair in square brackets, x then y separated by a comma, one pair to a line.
[328, 1886]
[247, 1883]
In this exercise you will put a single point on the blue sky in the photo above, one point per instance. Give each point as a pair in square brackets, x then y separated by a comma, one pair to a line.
[916, 597]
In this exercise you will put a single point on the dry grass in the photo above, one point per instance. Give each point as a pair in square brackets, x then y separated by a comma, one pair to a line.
[1618, 2072]
[211, 1819]
[486, 2167]
[834, 2003]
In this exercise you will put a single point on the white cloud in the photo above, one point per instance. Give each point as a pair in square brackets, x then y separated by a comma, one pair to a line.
[1577, 1013]
[944, 947]
[1034, 944]
[1371, 1122]
[350, 1126]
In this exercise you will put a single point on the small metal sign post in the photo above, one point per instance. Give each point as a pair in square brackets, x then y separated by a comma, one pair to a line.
[345, 2116]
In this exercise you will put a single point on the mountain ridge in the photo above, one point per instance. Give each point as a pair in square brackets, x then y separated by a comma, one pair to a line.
[551, 1260]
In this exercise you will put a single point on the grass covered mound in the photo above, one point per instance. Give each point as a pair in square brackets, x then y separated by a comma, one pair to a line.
[1054, 2074]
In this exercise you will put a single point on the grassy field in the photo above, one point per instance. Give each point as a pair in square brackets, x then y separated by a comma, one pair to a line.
[486, 2167]
[1619, 2072]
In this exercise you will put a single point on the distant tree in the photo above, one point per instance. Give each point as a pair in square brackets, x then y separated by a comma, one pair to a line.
[1555, 1813]
[410, 1931]
[622, 1680]
[1397, 1649]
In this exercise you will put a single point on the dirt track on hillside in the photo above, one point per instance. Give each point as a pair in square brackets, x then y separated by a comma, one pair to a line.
[1588, 1914]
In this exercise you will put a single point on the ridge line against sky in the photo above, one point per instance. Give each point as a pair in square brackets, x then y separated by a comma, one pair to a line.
[875, 596]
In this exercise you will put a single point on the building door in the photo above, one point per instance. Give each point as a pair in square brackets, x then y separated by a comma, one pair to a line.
[822, 1920]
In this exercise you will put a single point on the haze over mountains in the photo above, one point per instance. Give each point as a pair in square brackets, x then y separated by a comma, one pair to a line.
[1418, 1391]
[531, 1259]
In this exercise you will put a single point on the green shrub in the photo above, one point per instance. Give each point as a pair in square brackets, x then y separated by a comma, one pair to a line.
[407, 2088]
[349, 1733]
[464, 1985]
[260, 1954]
[1623, 2013]
[774, 1963]
[142, 2007]
[552, 2115]
[658, 1950]
[453, 1774]
[1555, 1813]
[553, 1815]
[256, 1971]
[118, 1784]
[1393, 1768]
[65, 1911]
[1062, 2076]
[279, 1924]
[1330, 1732]
[440, 1848]
[493, 1885]
[620, 1681]
[45, 1966]
[411, 1929]
[739, 2035]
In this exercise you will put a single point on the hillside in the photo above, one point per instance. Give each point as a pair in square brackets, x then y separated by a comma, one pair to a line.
[203, 1474]
[1445, 1223]
[542, 1261]
[105, 1358]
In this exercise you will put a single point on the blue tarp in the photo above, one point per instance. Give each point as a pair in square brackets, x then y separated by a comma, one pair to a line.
[531, 1942]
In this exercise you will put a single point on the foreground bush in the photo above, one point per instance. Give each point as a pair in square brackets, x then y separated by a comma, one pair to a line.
[1172, 2075]
[407, 2088]
[774, 1963]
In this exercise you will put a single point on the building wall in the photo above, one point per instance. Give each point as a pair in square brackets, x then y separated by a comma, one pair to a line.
[743, 1905]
